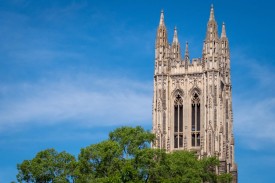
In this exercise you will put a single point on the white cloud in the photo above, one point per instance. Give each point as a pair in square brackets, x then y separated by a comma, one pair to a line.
[87, 100]
[255, 122]
[254, 104]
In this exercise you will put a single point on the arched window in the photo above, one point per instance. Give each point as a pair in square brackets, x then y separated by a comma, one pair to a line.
[196, 120]
[178, 122]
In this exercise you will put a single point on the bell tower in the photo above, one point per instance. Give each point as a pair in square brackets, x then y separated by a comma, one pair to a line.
[192, 101]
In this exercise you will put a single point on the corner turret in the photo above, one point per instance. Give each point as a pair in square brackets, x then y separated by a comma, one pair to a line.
[186, 55]
[211, 44]
[161, 38]
[224, 42]
[176, 46]
[162, 48]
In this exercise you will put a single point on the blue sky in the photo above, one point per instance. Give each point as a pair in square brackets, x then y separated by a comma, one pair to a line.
[71, 71]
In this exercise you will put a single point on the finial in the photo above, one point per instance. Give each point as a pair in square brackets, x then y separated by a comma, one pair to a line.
[175, 38]
[186, 50]
[161, 22]
[212, 13]
[223, 30]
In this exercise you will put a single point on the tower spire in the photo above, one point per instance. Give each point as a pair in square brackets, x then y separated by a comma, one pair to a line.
[161, 38]
[175, 38]
[223, 30]
[176, 45]
[224, 41]
[162, 46]
[161, 21]
[186, 55]
[212, 31]
[212, 17]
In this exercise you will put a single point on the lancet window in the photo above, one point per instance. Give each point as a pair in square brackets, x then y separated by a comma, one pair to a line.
[195, 120]
[178, 122]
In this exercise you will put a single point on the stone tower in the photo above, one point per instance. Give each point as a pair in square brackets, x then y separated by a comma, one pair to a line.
[192, 104]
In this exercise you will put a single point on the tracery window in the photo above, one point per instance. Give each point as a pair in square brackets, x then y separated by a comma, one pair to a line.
[195, 121]
[178, 122]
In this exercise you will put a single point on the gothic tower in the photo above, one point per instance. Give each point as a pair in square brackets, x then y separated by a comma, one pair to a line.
[192, 103]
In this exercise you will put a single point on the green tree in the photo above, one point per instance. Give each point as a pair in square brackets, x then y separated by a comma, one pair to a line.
[151, 165]
[208, 165]
[47, 166]
[125, 157]
[138, 160]
[184, 167]
[224, 178]
[131, 139]
[116, 160]
[100, 162]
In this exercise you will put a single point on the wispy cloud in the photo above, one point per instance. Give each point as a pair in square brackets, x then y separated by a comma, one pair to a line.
[255, 122]
[254, 103]
[88, 100]
[260, 70]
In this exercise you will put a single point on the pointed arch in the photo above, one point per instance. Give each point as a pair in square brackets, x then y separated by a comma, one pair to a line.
[195, 117]
[194, 90]
[178, 92]
[178, 118]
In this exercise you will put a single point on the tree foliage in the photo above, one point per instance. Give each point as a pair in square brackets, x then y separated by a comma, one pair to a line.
[125, 157]
[47, 166]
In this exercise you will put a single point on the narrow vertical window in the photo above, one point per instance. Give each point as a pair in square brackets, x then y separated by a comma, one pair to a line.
[193, 140]
[198, 117]
[198, 140]
[193, 117]
[178, 122]
[176, 119]
[181, 120]
[180, 141]
[195, 121]
[176, 141]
